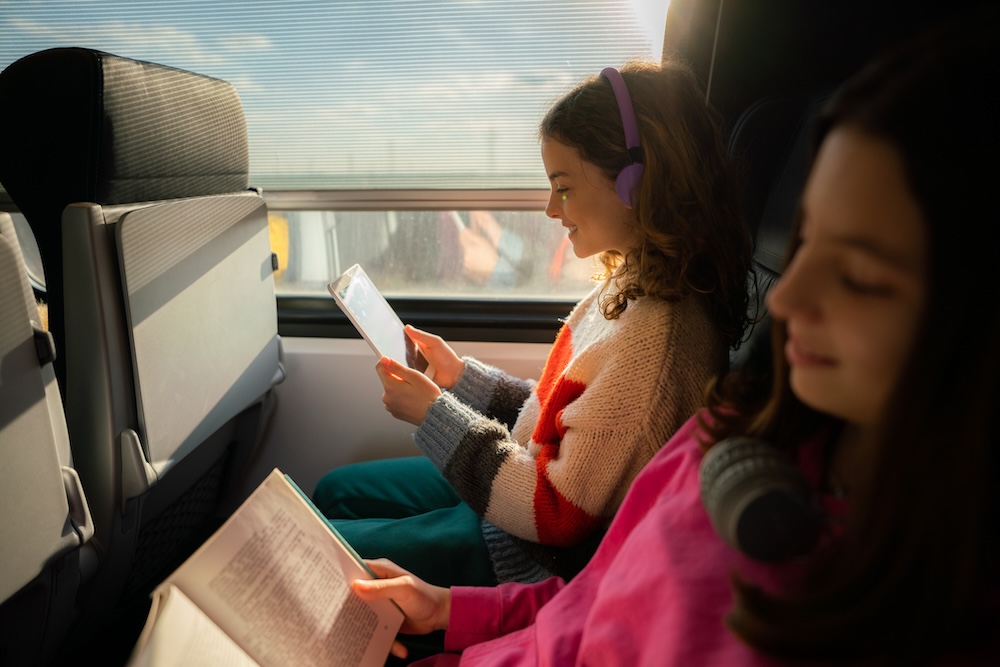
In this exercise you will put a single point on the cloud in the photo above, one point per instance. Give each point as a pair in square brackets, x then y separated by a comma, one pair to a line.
[129, 40]
[246, 85]
[245, 43]
[165, 44]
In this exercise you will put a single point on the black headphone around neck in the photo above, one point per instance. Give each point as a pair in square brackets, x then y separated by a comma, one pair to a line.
[629, 177]
[758, 500]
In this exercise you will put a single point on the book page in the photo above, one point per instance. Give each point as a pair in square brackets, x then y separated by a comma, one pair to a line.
[276, 579]
[178, 634]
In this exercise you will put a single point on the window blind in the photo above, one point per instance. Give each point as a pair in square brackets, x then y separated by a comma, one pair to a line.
[371, 94]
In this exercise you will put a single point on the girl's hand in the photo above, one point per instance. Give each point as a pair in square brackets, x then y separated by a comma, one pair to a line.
[407, 393]
[426, 607]
[448, 366]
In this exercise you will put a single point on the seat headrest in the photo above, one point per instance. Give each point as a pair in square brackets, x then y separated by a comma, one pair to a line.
[772, 144]
[84, 125]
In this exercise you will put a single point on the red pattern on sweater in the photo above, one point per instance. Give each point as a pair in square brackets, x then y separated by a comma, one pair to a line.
[555, 365]
[559, 522]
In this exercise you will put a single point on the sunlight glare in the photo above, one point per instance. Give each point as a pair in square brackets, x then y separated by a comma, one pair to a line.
[652, 16]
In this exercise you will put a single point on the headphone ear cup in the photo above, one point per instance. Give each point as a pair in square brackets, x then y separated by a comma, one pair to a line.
[758, 501]
[628, 180]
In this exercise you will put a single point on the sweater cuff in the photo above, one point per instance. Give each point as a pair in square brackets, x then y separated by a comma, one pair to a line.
[477, 384]
[447, 421]
[474, 617]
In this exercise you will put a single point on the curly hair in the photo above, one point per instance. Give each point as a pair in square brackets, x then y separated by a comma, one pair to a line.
[693, 239]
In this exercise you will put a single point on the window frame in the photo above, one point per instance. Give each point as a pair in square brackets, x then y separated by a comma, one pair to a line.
[490, 319]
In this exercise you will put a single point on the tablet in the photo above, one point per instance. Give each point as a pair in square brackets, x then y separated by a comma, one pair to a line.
[375, 319]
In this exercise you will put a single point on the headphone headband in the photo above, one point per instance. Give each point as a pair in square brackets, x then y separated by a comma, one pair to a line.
[629, 121]
[629, 177]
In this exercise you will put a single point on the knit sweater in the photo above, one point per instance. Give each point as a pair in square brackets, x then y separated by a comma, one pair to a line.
[547, 463]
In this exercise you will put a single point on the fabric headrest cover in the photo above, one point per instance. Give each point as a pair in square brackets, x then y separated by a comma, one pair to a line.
[84, 125]
[772, 142]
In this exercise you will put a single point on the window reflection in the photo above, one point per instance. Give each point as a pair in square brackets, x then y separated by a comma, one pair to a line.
[510, 254]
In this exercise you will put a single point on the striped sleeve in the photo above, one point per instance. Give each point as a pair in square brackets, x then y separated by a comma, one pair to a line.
[491, 391]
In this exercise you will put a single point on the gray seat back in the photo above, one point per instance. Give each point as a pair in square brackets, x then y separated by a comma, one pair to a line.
[159, 278]
[45, 518]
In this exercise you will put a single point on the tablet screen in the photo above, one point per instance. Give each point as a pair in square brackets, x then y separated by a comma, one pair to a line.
[374, 318]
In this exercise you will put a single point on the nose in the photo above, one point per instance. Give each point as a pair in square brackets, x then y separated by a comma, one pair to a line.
[796, 292]
[553, 208]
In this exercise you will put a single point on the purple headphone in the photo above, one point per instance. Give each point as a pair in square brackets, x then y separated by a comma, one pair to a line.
[629, 177]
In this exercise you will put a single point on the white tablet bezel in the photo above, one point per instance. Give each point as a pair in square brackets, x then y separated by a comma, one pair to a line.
[356, 275]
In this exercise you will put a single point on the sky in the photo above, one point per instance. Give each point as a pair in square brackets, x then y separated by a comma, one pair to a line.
[369, 93]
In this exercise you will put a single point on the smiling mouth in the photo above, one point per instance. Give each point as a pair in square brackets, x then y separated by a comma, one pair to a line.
[801, 357]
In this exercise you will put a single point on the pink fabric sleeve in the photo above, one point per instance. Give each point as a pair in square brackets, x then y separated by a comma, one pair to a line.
[479, 614]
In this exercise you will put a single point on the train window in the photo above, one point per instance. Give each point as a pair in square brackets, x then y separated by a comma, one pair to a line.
[397, 133]
[430, 253]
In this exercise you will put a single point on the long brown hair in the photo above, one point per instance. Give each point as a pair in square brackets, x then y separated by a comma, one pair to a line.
[915, 575]
[693, 239]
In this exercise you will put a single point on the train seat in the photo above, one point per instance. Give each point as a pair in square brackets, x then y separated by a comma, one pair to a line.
[134, 179]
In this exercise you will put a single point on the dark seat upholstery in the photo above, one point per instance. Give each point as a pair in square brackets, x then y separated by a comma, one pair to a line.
[770, 145]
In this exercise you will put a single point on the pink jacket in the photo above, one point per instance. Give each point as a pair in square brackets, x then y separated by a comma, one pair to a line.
[655, 593]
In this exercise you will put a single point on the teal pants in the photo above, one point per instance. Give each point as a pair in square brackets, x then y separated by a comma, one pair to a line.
[403, 509]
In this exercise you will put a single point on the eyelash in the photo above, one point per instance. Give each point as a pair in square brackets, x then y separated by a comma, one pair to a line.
[863, 288]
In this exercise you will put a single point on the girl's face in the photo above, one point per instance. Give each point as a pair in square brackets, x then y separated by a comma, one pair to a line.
[854, 291]
[584, 200]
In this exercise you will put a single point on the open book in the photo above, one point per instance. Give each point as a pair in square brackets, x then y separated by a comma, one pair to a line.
[271, 587]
